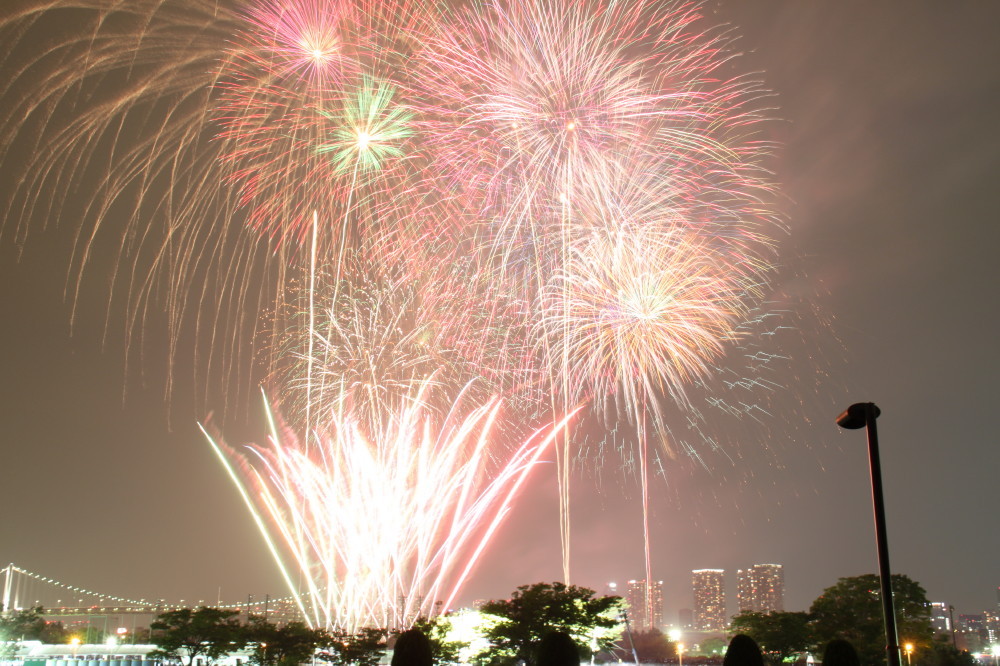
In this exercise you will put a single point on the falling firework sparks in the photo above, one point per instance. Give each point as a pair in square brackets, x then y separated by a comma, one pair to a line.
[385, 522]
[644, 312]
[370, 339]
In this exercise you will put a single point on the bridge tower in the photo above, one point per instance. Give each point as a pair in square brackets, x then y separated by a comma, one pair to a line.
[8, 575]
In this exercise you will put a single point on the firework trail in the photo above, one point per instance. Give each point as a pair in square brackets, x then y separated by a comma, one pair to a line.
[531, 97]
[384, 522]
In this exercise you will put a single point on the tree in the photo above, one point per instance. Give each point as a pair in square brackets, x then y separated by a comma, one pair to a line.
[852, 609]
[288, 645]
[364, 648]
[780, 635]
[652, 647]
[54, 633]
[30, 625]
[22, 625]
[713, 647]
[186, 634]
[436, 630]
[534, 610]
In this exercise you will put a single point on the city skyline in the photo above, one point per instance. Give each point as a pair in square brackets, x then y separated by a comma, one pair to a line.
[886, 160]
[973, 630]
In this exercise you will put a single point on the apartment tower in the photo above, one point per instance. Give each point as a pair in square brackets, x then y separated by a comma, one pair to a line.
[709, 587]
[644, 612]
[761, 588]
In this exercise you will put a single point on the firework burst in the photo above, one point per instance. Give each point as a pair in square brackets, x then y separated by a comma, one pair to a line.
[641, 313]
[303, 37]
[384, 522]
[369, 131]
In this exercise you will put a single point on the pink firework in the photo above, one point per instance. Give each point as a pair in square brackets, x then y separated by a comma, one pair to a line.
[533, 96]
[297, 37]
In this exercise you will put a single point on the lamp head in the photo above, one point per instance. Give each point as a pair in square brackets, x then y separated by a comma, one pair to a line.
[856, 416]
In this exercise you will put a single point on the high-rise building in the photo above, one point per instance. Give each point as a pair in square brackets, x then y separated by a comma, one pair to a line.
[645, 611]
[991, 619]
[940, 618]
[972, 634]
[972, 622]
[709, 586]
[761, 588]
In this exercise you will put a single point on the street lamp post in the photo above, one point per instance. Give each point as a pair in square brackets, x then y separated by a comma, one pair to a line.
[909, 653]
[863, 415]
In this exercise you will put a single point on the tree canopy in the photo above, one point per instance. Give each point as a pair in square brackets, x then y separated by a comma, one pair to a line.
[534, 610]
[29, 624]
[651, 646]
[436, 629]
[288, 645]
[187, 634]
[362, 649]
[780, 635]
[943, 653]
[852, 609]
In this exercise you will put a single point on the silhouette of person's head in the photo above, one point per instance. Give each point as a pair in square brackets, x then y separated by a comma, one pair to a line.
[743, 651]
[839, 652]
[412, 649]
[558, 649]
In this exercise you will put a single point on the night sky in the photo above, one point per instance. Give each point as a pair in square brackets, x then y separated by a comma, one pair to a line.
[889, 168]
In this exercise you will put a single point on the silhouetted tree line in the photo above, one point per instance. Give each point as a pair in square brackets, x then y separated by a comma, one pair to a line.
[30, 625]
[545, 624]
[849, 614]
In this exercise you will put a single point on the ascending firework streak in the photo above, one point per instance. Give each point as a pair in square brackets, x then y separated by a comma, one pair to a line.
[383, 522]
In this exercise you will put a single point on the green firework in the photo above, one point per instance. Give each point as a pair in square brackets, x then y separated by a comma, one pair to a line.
[370, 130]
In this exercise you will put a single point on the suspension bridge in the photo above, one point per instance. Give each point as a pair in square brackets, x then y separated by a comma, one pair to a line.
[23, 589]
